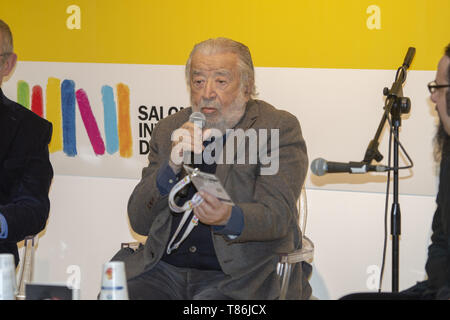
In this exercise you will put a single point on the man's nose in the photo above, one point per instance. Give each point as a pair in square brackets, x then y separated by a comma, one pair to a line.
[209, 92]
[433, 96]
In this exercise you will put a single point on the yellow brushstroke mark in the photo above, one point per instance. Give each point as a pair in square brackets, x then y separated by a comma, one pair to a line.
[53, 107]
[125, 138]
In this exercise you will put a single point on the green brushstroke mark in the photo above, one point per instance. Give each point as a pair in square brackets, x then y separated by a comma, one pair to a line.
[23, 93]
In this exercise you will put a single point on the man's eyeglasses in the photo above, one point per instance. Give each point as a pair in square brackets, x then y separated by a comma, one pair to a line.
[433, 86]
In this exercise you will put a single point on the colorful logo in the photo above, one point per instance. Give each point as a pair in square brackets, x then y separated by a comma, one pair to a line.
[109, 273]
[61, 101]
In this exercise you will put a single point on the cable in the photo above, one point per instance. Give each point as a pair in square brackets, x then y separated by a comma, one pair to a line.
[386, 210]
[401, 146]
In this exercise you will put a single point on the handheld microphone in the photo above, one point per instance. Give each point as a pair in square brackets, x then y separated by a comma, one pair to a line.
[199, 120]
[321, 166]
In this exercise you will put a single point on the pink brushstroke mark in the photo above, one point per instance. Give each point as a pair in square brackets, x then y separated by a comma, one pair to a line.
[90, 123]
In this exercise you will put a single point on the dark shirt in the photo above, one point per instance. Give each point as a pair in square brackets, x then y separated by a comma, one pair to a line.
[438, 263]
[197, 250]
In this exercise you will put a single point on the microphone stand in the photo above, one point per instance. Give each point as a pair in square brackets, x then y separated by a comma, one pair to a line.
[396, 105]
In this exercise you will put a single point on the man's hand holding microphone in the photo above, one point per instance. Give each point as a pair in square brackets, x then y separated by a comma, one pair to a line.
[187, 142]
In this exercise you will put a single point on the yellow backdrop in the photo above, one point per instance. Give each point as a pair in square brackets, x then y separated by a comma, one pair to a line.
[282, 33]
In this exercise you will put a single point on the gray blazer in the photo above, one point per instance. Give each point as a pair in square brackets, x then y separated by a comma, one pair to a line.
[268, 203]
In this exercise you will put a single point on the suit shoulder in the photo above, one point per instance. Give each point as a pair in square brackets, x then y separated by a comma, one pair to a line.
[25, 115]
[174, 121]
[37, 121]
[268, 112]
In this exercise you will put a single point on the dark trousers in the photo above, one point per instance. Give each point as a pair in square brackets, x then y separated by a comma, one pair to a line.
[167, 282]
[420, 291]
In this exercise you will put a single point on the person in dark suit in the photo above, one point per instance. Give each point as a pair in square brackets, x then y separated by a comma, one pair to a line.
[234, 250]
[437, 286]
[25, 169]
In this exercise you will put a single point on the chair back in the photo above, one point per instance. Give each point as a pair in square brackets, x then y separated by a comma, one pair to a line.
[302, 211]
[306, 253]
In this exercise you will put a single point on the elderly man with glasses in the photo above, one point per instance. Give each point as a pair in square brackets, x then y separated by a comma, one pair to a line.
[25, 169]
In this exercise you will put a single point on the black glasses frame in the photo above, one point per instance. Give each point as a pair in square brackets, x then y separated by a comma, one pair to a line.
[433, 86]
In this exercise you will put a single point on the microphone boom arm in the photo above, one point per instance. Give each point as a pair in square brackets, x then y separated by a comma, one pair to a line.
[394, 99]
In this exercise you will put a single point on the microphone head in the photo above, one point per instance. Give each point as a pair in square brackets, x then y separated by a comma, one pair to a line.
[198, 118]
[409, 57]
[319, 166]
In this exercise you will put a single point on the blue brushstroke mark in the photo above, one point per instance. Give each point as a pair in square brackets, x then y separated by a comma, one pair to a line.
[68, 117]
[110, 117]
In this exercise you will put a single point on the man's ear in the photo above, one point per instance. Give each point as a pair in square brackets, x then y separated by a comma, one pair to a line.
[246, 91]
[9, 64]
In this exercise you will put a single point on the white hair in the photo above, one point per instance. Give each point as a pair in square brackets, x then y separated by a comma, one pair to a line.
[7, 45]
[223, 45]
